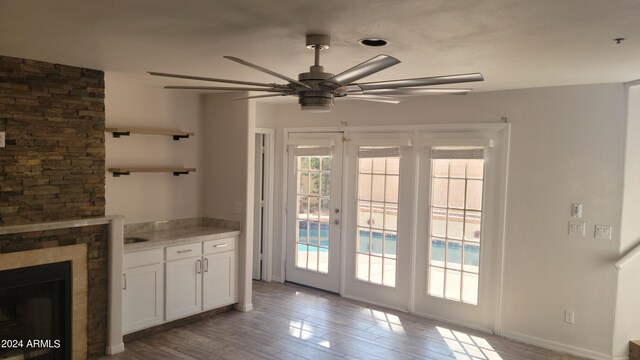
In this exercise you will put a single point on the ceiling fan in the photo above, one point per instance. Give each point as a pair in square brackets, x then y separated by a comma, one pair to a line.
[316, 89]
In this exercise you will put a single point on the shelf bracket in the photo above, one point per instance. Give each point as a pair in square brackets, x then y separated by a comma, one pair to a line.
[117, 134]
[121, 173]
[178, 173]
[178, 137]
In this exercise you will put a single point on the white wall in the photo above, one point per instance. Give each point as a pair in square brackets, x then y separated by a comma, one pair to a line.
[144, 197]
[628, 299]
[229, 160]
[567, 145]
[266, 115]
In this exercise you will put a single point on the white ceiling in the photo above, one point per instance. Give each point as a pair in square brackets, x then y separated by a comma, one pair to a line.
[513, 43]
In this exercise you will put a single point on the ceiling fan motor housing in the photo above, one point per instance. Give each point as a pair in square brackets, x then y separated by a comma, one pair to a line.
[320, 97]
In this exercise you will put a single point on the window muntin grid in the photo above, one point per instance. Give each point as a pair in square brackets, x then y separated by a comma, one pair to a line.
[312, 212]
[377, 219]
[455, 229]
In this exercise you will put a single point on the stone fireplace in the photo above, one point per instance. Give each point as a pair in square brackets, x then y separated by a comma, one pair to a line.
[43, 303]
[93, 246]
[52, 189]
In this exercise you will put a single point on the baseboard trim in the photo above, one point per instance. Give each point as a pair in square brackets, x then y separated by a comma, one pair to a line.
[277, 279]
[115, 349]
[456, 323]
[243, 307]
[552, 345]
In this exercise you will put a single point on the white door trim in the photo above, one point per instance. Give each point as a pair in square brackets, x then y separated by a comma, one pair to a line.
[267, 224]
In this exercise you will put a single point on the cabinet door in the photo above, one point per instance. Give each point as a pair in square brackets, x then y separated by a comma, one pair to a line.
[142, 297]
[219, 280]
[183, 287]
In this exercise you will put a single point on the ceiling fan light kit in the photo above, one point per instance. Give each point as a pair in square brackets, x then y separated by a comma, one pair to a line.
[317, 89]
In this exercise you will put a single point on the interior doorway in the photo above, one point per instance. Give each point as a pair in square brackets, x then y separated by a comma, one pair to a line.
[263, 200]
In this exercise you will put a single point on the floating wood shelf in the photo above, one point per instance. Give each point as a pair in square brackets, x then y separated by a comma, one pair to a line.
[128, 170]
[123, 131]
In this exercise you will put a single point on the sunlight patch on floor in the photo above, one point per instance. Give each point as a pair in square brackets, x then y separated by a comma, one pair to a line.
[300, 330]
[304, 331]
[387, 321]
[468, 347]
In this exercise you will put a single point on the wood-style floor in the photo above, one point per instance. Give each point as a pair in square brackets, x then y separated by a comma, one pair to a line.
[292, 322]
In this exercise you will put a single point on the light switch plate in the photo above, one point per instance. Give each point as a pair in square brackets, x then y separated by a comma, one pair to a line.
[2, 137]
[603, 232]
[577, 228]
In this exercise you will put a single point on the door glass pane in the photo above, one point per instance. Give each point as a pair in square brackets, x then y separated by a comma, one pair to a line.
[436, 281]
[314, 183]
[438, 222]
[456, 193]
[454, 255]
[474, 195]
[389, 272]
[364, 240]
[437, 252]
[390, 244]
[470, 288]
[364, 187]
[472, 225]
[455, 228]
[378, 185]
[313, 205]
[453, 282]
[440, 192]
[323, 260]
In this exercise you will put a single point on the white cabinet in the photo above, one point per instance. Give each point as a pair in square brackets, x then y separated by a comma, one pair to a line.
[196, 284]
[184, 280]
[219, 280]
[143, 293]
[184, 289]
[177, 281]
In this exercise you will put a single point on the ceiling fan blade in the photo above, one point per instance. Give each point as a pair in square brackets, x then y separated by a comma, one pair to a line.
[225, 88]
[436, 80]
[364, 69]
[258, 96]
[267, 71]
[375, 98]
[412, 91]
[212, 79]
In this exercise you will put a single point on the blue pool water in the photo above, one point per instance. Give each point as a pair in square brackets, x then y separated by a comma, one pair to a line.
[318, 235]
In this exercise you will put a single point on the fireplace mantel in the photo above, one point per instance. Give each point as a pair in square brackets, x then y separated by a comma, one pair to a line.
[115, 225]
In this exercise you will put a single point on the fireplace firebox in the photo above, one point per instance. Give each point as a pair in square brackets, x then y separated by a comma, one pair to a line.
[35, 312]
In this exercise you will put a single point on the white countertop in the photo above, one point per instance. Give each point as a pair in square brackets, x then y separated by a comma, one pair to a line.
[163, 238]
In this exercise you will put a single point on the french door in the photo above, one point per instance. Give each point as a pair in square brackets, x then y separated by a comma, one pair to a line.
[314, 211]
[423, 219]
[379, 231]
[458, 246]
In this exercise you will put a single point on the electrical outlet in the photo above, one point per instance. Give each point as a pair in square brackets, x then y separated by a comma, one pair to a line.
[2, 139]
[237, 207]
[577, 228]
[603, 232]
[570, 316]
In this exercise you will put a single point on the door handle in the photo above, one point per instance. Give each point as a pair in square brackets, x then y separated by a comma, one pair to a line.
[206, 264]
[124, 281]
[198, 266]
[336, 222]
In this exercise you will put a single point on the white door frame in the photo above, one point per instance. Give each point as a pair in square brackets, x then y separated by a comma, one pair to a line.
[332, 280]
[284, 192]
[267, 223]
[387, 129]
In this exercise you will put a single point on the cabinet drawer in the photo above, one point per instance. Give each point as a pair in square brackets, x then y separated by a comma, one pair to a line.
[183, 251]
[140, 258]
[219, 245]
